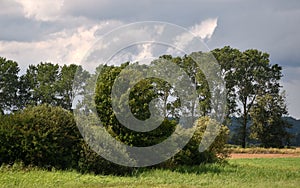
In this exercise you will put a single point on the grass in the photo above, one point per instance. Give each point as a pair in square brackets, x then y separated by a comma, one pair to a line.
[261, 172]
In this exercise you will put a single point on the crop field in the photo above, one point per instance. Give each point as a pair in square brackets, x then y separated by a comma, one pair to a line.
[254, 172]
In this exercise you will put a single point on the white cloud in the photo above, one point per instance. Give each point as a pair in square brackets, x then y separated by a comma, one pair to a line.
[64, 47]
[145, 52]
[45, 10]
[278, 34]
[205, 29]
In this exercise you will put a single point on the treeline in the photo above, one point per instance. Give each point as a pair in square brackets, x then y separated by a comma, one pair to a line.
[43, 83]
[253, 85]
[38, 131]
[253, 95]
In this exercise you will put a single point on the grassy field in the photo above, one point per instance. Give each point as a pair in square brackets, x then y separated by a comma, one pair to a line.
[267, 172]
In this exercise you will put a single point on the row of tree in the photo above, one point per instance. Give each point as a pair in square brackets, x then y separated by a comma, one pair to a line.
[252, 83]
[43, 83]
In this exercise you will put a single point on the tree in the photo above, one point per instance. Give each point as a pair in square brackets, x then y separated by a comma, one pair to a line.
[141, 94]
[227, 57]
[248, 76]
[268, 125]
[8, 84]
[67, 86]
[40, 84]
[190, 154]
[26, 88]
[198, 81]
[139, 98]
[52, 84]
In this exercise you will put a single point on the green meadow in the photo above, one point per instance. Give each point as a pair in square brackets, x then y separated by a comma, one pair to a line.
[259, 172]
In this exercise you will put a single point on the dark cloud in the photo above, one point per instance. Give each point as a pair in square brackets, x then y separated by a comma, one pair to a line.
[21, 29]
[271, 26]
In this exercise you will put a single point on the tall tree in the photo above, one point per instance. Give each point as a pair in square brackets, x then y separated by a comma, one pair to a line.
[52, 84]
[250, 72]
[227, 57]
[198, 81]
[68, 86]
[268, 125]
[41, 83]
[8, 84]
[27, 84]
[248, 75]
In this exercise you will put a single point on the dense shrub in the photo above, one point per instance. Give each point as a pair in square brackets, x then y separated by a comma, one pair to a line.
[44, 136]
[91, 162]
[48, 137]
[216, 152]
[10, 140]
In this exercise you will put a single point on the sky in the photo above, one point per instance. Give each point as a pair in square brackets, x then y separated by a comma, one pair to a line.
[61, 31]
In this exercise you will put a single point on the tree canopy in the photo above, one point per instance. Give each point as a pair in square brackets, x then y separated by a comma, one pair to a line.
[252, 82]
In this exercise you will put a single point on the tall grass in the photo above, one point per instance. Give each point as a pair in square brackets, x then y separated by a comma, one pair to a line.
[267, 172]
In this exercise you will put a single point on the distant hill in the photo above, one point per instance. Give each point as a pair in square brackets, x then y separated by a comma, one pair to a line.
[295, 130]
[294, 122]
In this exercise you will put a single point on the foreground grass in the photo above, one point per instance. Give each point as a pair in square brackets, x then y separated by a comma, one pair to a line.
[267, 172]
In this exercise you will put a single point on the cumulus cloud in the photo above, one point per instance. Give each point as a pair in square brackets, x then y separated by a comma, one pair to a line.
[61, 30]
[46, 10]
[64, 47]
[145, 52]
[205, 29]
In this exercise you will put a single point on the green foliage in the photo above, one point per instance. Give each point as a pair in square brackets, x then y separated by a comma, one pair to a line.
[67, 86]
[268, 125]
[248, 76]
[139, 98]
[216, 152]
[48, 83]
[44, 136]
[48, 137]
[92, 162]
[8, 84]
[43, 81]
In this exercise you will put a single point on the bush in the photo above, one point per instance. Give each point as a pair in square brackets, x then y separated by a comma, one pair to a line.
[91, 162]
[48, 137]
[44, 136]
[190, 154]
[10, 140]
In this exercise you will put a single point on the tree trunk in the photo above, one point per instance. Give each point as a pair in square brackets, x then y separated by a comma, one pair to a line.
[244, 131]
[244, 125]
